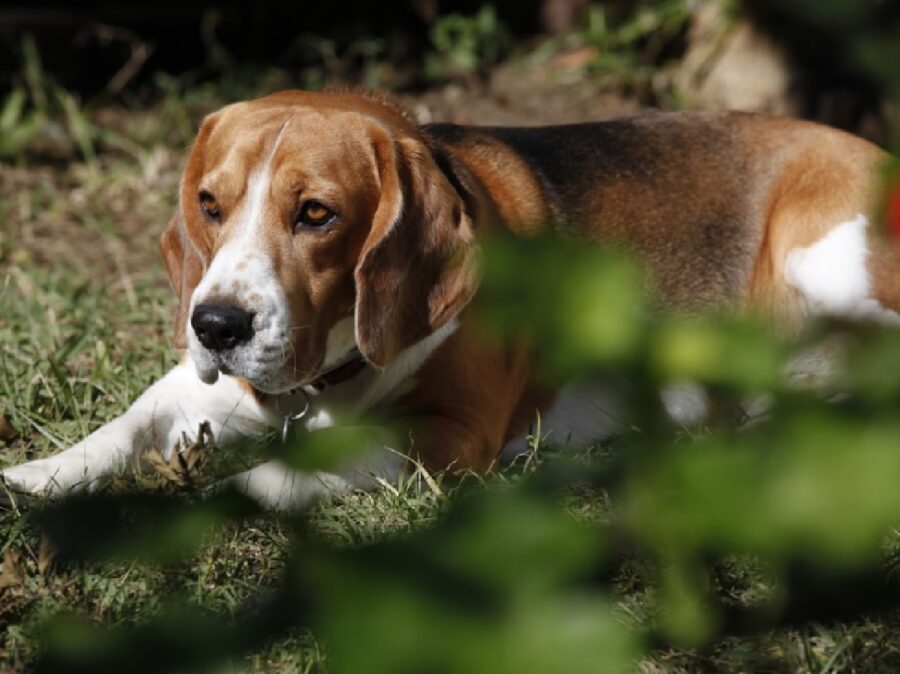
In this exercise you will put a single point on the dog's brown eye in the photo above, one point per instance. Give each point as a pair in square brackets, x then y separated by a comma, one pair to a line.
[209, 206]
[314, 214]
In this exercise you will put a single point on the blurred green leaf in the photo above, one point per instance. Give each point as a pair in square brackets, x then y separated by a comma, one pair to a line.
[871, 365]
[581, 306]
[501, 577]
[816, 484]
[328, 448]
[879, 55]
[18, 127]
[143, 527]
[466, 44]
[685, 615]
[719, 352]
[842, 14]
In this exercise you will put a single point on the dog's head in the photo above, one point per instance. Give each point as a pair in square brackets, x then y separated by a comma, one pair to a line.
[310, 225]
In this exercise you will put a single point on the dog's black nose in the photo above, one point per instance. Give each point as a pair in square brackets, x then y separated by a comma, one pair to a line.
[220, 327]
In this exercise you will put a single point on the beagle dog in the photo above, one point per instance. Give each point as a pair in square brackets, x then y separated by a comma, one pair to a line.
[326, 249]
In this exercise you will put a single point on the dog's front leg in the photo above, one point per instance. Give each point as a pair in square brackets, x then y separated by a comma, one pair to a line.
[177, 404]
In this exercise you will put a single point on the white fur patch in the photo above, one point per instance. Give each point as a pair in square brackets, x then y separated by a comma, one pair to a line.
[833, 276]
[242, 274]
[273, 485]
[340, 341]
[686, 403]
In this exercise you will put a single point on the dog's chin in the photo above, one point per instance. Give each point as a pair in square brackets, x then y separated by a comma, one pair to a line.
[281, 382]
[261, 376]
[273, 388]
[271, 382]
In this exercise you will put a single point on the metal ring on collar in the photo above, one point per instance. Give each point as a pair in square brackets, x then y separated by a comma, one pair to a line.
[291, 418]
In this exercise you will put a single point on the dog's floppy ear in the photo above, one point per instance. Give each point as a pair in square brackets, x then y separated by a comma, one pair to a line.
[185, 268]
[418, 266]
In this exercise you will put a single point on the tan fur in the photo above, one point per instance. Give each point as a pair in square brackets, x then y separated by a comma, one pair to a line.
[515, 192]
[469, 402]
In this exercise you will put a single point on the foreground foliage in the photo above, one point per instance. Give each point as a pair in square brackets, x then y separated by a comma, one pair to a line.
[767, 545]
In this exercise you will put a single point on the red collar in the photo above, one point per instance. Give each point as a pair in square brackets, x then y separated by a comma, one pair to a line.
[340, 374]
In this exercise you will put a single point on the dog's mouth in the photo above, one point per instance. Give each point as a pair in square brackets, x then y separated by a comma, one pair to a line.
[265, 373]
[279, 380]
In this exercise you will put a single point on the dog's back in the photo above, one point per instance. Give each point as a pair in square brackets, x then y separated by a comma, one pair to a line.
[711, 202]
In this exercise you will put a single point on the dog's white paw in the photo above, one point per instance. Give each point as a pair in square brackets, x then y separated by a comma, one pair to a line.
[274, 486]
[35, 477]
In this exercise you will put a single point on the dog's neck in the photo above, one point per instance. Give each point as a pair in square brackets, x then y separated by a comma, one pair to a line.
[355, 387]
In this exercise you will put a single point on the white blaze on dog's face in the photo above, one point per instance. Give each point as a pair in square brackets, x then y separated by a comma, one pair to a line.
[315, 223]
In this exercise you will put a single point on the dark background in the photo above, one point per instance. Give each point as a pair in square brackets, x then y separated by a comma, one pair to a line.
[105, 51]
